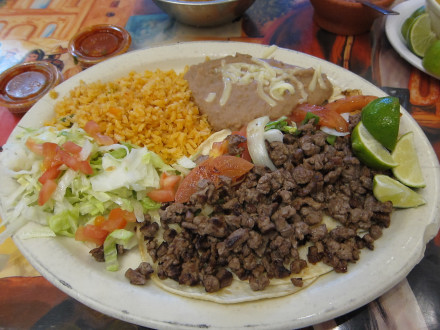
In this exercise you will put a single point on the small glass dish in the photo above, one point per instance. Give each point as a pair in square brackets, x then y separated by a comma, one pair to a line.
[22, 85]
[97, 43]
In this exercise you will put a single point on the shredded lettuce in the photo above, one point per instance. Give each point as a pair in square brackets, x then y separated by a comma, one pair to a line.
[65, 223]
[120, 237]
[123, 175]
[136, 171]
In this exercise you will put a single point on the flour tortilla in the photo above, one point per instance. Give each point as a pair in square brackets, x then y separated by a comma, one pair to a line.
[240, 291]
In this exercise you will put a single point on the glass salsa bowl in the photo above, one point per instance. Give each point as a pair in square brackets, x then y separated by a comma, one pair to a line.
[97, 43]
[22, 85]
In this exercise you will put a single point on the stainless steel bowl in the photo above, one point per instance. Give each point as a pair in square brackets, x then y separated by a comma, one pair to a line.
[204, 13]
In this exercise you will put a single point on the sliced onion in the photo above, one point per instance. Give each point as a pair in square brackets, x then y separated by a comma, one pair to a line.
[86, 150]
[346, 116]
[138, 211]
[332, 131]
[184, 165]
[186, 162]
[256, 144]
[273, 135]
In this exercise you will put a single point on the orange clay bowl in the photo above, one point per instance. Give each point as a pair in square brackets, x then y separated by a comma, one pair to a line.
[346, 17]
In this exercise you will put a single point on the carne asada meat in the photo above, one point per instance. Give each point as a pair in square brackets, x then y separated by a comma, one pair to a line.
[140, 275]
[254, 230]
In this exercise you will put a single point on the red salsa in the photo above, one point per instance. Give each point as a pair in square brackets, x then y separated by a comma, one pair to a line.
[24, 84]
[99, 42]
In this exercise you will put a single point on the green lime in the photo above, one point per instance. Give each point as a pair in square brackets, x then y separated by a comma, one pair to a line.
[431, 61]
[420, 35]
[381, 117]
[408, 171]
[419, 11]
[369, 150]
[407, 23]
[387, 189]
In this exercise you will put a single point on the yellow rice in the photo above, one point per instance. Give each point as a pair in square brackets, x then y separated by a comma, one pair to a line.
[153, 109]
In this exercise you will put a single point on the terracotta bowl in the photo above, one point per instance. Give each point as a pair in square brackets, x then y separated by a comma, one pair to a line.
[346, 17]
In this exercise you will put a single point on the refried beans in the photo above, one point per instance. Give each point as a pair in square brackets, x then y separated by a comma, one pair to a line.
[234, 90]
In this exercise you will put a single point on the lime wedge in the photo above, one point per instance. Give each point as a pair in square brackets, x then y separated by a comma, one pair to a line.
[387, 189]
[370, 151]
[431, 61]
[408, 22]
[420, 35]
[408, 171]
[381, 117]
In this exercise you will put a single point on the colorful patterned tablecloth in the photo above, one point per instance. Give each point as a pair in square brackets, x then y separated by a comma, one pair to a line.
[40, 30]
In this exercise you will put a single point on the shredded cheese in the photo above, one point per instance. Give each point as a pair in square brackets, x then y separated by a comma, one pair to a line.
[275, 80]
[269, 51]
[211, 96]
[226, 91]
[317, 78]
[272, 82]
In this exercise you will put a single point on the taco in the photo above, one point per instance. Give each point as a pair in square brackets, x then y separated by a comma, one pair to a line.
[233, 237]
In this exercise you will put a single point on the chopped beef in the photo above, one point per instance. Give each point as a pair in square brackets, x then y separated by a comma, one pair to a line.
[140, 275]
[189, 274]
[98, 253]
[256, 227]
[235, 144]
[149, 229]
[225, 277]
[297, 281]
[259, 282]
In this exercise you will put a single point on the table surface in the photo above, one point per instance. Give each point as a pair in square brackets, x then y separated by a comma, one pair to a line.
[28, 300]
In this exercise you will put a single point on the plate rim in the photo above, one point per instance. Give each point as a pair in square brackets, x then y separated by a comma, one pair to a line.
[392, 30]
[304, 320]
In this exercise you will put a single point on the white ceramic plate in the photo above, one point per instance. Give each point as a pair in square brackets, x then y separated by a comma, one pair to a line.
[68, 265]
[393, 25]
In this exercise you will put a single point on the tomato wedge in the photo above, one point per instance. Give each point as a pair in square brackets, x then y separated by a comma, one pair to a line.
[168, 181]
[49, 152]
[99, 220]
[72, 147]
[116, 213]
[92, 128]
[50, 174]
[161, 195]
[167, 190]
[103, 139]
[129, 216]
[35, 147]
[219, 148]
[327, 117]
[46, 191]
[117, 219]
[350, 103]
[67, 159]
[97, 232]
[225, 165]
[84, 166]
[113, 223]
[91, 233]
